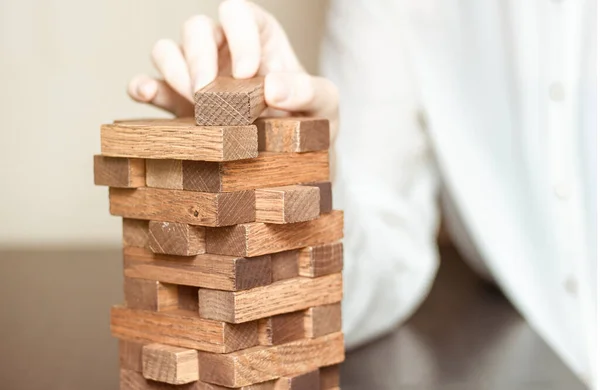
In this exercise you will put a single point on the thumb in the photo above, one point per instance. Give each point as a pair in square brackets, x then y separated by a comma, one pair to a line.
[297, 92]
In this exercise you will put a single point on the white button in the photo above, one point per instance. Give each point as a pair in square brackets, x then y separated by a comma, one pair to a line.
[562, 190]
[557, 92]
[570, 285]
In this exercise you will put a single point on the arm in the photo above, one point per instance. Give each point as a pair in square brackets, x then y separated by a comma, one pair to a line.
[385, 173]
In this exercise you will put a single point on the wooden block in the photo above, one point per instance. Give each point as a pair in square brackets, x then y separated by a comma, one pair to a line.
[164, 174]
[168, 364]
[325, 194]
[130, 355]
[292, 134]
[209, 271]
[307, 381]
[267, 170]
[135, 232]
[230, 102]
[178, 139]
[182, 329]
[260, 364]
[132, 380]
[284, 265]
[151, 295]
[119, 172]
[321, 260]
[287, 204]
[285, 296]
[194, 208]
[330, 377]
[323, 320]
[187, 297]
[281, 329]
[255, 239]
[174, 238]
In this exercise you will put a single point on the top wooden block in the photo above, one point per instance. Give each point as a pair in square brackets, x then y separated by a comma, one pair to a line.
[178, 139]
[230, 102]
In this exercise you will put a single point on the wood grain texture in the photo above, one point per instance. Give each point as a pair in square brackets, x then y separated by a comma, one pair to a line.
[135, 232]
[267, 170]
[151, 295]
[132, 380]
[287, 204]
[315, 261]
[284, 265]
[172, 238]
[307, 381]
[292, 134]
[178, 139]
[325, 194]
[130, 355]
[281, 329]
[168, 364]
[255, 239]
[227, 273]
[194, 208]
[330, 377]
[230, 102]
[285, 296]
[164, 174]
[323, 320]
[182, 329]
[119, 172]
[260, 364]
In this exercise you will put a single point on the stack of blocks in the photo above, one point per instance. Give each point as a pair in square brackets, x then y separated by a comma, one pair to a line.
[232, 253]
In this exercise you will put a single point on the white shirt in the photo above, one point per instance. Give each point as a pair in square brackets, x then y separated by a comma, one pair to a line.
[497, 100]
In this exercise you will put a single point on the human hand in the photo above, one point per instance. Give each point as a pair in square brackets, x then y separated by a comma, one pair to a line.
[247, 41]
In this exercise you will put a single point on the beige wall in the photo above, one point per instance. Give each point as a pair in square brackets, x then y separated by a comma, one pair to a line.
[64, 66]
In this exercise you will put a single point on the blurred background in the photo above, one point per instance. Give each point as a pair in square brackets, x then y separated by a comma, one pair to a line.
[64, 68]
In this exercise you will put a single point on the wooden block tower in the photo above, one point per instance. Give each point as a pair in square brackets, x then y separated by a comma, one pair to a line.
[232, 257]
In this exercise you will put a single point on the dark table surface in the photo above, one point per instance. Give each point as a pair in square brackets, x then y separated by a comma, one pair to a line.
[54, 332]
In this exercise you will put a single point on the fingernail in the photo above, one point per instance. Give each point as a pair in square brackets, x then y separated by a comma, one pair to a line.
[146, 90]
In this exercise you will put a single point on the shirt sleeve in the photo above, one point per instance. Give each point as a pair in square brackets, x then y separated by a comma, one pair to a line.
[385, 178]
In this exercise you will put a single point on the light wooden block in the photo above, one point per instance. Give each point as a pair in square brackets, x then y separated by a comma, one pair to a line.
[172, 238]
[325, 195]
[315, 261]
[130, 355]
[307, 381]
[287, 204]
[228, 273]
[323, 320]
[194, 208]
[132, 380]
[284, 265]
[135, 232]
[119, 172]
[168, 364]
[330, 377]
[182, 329]
[255, 239]
[285, 296]
[281, 329]
[151, 295]
[164, 174]
[267, 170]
[178, 139]
[261, 364]
[292, 134]
[230, 102]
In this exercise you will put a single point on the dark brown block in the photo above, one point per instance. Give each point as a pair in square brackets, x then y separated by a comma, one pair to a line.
[119, 172]
[172, 238]
[321, 260]
[292, 134]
